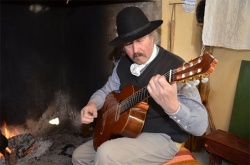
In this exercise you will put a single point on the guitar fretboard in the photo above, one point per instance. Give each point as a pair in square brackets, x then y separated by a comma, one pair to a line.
[141, 95]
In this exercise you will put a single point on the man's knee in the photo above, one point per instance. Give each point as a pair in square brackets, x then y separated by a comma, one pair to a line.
[75, 157]
[101, 154]
[105, 153]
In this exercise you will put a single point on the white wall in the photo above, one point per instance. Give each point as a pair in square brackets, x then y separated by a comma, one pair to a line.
[188, 44]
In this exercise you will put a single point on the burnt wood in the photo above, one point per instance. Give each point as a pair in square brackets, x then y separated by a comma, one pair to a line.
[4, 142]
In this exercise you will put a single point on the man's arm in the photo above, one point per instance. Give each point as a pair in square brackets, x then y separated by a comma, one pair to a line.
[112, 84]
[192, 115]
[89, 112]
[181, 102]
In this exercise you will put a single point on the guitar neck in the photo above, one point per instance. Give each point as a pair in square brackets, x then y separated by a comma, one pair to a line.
[141, 94]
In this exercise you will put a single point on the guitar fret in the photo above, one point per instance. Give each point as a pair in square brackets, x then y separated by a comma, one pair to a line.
[140, 93]
[169, 75]
[169, 79]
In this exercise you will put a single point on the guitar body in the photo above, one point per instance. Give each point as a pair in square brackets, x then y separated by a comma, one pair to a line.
[111, 123]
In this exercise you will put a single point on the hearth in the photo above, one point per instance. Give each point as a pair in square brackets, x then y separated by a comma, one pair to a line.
[44, 142]
[54, 148]
[54, 55]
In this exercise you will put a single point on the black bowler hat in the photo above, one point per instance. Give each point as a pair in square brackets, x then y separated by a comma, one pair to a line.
[133, 24]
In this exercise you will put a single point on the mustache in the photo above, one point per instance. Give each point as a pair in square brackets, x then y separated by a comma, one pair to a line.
[138, 55]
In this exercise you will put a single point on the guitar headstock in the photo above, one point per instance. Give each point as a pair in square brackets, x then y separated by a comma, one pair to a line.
[197, 68]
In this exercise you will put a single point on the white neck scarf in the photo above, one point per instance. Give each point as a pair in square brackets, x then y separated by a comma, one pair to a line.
[136, 69]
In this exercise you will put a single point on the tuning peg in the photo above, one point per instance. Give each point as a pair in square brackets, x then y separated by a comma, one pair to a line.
[204, 80]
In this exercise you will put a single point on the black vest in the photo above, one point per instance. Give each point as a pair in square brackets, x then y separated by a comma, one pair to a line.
[157, 121]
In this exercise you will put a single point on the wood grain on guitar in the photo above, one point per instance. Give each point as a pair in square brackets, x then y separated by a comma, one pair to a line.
[124, 113]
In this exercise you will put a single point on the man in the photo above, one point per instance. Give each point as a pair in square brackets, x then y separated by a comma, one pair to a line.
[175, 109]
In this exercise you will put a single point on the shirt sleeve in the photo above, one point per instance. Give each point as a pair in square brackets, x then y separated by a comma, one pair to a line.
[112, 84]
[192, 115]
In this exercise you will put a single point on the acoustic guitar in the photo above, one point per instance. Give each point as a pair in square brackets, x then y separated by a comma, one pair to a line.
[124, 113]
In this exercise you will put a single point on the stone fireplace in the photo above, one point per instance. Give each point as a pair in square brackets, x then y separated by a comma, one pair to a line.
[54, 55]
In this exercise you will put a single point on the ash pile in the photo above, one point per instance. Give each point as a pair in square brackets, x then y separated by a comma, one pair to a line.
[53, 148]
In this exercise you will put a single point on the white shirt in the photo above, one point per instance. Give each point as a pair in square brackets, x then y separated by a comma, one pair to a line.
[137, 69]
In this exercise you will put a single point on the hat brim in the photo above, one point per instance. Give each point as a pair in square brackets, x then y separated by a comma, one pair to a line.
[122, 40]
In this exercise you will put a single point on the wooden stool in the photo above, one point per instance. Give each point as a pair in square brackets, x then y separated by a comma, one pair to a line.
[221, 144]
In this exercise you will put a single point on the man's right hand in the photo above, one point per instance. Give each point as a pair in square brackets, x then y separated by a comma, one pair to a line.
[88, 113]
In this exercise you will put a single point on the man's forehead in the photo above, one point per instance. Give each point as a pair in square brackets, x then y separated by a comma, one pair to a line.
[131, 42]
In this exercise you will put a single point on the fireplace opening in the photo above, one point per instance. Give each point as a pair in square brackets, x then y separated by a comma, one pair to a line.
[54, 55]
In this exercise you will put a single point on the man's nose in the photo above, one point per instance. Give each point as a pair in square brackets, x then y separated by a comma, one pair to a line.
[135, 47]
